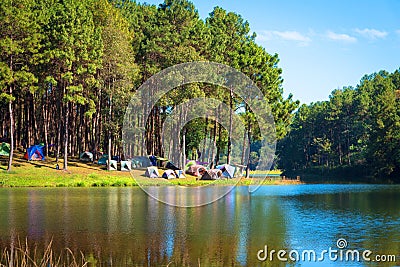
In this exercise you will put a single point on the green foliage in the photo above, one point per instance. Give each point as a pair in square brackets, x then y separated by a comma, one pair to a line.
[356, 127]
[79, 61]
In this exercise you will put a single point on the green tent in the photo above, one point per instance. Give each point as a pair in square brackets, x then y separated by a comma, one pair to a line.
[5, 149]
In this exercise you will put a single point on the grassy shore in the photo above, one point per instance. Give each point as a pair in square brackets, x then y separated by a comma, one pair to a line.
[44, 174]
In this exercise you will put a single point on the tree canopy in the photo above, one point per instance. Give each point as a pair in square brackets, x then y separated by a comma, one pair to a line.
[357, 129]
[69, 68]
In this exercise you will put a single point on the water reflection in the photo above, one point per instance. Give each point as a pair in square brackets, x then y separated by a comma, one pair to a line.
[123, 226]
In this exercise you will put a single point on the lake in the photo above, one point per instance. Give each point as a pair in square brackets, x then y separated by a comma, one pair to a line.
[125, 227]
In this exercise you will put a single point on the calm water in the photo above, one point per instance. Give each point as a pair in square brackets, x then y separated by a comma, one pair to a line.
[125, 227]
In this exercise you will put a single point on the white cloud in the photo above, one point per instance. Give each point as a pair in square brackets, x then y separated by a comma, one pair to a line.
[340, 37]
[371, 33]
[283, 35]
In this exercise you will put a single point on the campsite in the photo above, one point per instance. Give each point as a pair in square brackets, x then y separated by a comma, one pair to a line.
[43, 173]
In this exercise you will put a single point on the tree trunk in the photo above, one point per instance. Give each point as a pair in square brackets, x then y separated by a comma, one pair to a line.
[218, 146]
[228, 158]
[248, 158]
[27, 124]
[184, 147]
[19, 122]
[203, 152]
[244, 147]
[214, 146]
[66, 115]
[159, 133]
[109, 135]
[10, 110]
[46, 144]
[59, 127]
[34, 121]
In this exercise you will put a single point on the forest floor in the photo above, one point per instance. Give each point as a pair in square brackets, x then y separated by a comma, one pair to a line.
[79, 174]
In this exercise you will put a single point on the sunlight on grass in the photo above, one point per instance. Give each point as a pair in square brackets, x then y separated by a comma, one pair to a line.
[44, 174]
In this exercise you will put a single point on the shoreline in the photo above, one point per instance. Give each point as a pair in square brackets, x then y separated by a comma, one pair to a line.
[12, 181]
[44, 174]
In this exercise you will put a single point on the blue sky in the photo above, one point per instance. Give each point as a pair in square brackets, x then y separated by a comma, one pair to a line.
[322, 45]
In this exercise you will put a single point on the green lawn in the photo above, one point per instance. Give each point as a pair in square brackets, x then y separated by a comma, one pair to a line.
[44, 174]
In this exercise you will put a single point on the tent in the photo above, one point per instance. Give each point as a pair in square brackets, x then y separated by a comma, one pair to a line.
[169, 174]
[153, 160]
[189, 164]
[35, 152]
[196, 170]
[171, 166]
[211, 174]
[103, 160]
[152, 172]
[113, 165]
[157, 161]
[5, 149]
[228, 171]
[140, 162]
[126, 165]
[117, 158]
[86, 156]
[180, 174]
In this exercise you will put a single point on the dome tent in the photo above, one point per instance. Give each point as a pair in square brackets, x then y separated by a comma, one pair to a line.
[86, 156]
[5, 149]
[152, 172]
[169, 174]
[35, 152]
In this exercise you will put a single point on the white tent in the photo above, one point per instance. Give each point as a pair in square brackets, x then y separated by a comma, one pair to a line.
[86, 156]
[169, 174]
[180, 174]
[152, 172]
[228, 171]
[126, 165]
[113, 165]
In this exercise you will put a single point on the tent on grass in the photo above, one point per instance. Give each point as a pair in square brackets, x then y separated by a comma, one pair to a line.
[117, 158]
[228, 171]
[196, 170]
[152, 172]
[214, 174]
[171, 166]
[86, 156]
[113, 165]
[180, 174]
[103, 160]
[5, 149]
[35, 152]
[126, 165]
[169, 174]
[140, 162]
[153, 160]
[157, 161]
[189, 164]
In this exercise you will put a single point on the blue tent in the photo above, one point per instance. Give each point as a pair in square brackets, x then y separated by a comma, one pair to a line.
[103, 160]
[35, 152]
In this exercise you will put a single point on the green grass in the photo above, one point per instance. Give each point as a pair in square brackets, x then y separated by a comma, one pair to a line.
[273, 172]
[44, 174]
